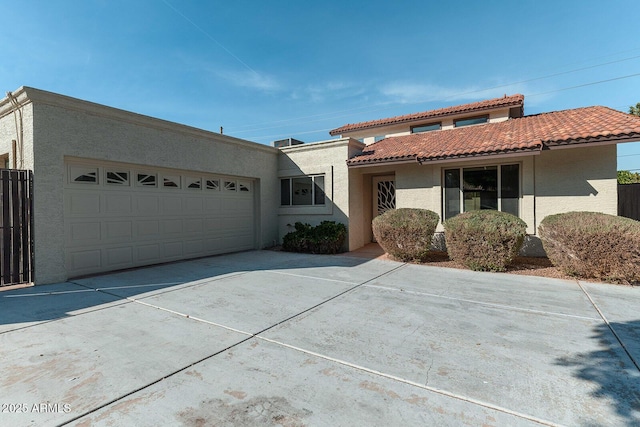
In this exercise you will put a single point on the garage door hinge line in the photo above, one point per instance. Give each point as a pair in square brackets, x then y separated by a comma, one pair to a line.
[415, 384]
[613, 331]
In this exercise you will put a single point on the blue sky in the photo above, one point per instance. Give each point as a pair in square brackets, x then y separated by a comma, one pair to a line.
[266, 70]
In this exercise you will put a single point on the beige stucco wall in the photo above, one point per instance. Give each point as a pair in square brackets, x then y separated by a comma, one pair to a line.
[553, 181]
[326, 158]
[576, 179]
[67, 127]
[9, 132]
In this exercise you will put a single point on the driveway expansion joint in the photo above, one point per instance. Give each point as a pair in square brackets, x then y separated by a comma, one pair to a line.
[613, 331]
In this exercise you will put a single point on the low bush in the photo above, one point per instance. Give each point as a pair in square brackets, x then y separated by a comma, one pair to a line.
[484, 240]
[405, 233]
[326, 238]
[593, 245]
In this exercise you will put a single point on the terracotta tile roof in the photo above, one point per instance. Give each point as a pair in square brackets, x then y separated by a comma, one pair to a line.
[526, 134]
[506, 101]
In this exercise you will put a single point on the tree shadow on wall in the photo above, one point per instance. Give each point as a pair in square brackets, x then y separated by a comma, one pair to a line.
[614, 371]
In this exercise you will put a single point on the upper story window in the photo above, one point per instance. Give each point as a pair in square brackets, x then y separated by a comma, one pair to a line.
[471, 121]
[485, 187]
[302, 191]
[4, 161]
[426, 128]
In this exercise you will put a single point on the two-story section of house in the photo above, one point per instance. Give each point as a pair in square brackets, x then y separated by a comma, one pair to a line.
[489, 111]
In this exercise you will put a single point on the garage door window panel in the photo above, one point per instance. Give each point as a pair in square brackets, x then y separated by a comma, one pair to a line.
[147, 179]
[171, 181]
[117, 178]
[194, 183]
[213, 184]
[83, 175]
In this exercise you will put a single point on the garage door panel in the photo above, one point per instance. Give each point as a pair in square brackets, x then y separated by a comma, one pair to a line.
[171, 226]
[84, 260]
[213, 205]
[119, 257]
[194, 247]
[173, 250]
[148, 228]
[194, 206]
[112, 225]
[148, 253]
[193, 225]
[84, 232]
[83, 203]
[171, 205]
[118, 204]
[118, 230]
[147, 205]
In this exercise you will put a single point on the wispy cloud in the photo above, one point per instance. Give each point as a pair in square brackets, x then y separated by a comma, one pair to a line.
[404, 92]
[251, 79]
[327, 91]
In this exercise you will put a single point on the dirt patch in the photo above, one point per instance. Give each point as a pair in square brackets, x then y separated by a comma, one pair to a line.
[526, 266]
[259, 410]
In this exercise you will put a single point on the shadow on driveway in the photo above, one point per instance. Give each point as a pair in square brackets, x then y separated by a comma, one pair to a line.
[613, 374]
[28, 306]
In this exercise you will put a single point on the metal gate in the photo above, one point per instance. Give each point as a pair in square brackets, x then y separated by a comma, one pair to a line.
[16, 227]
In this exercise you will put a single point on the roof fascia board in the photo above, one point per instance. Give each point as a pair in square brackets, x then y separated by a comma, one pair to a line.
[389, 163]
[586, 143]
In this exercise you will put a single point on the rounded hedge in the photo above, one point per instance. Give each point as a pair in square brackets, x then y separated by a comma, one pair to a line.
[326, 238]
[593, 245]
[484, 240]
[406, 233]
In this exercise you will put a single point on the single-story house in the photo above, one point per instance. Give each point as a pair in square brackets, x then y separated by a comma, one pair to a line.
[114, 189]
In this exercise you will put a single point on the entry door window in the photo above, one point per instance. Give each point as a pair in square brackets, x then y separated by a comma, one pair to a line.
[385, 195]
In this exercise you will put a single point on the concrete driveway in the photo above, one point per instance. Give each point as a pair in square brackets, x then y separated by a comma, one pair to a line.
[273, 338]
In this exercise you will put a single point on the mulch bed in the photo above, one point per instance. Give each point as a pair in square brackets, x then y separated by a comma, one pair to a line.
[529, 266]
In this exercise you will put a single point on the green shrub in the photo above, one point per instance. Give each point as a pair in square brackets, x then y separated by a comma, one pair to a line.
[484, 240]
[593, 245]
[405, 233]
[326, 238]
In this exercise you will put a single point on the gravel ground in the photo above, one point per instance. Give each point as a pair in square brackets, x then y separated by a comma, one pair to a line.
[529, 266]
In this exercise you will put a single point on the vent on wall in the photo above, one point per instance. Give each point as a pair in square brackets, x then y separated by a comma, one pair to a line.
[286, 142]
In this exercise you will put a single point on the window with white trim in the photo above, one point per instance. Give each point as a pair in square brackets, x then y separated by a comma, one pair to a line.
[193, 183]
[117, 177]
[212, 184]
[83, 175]
[171, 181]
[426, 128]
[302, 191]
[494, 187]
[469, 121]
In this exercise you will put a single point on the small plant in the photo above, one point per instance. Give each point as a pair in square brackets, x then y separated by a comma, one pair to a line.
[406, 233]
[593, 245]
[326, 238]
[484, 240]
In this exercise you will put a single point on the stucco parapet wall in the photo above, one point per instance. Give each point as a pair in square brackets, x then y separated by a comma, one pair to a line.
[26, 95]
[331, 143]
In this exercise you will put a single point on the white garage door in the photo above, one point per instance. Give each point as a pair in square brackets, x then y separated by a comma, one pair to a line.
[119, 216]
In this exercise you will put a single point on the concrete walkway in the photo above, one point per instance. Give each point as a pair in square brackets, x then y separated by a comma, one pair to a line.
[274, 338]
